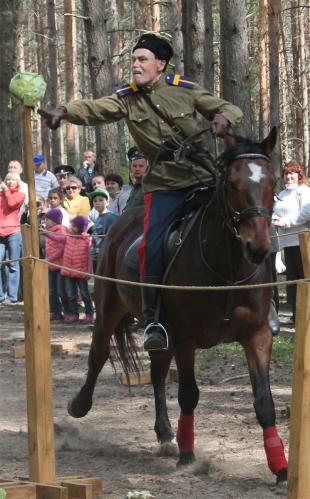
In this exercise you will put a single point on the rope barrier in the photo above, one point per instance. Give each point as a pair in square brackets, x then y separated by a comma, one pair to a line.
[160, 286]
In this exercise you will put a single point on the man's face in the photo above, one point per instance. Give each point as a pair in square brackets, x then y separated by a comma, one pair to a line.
[146, 69]
[39, 167]
[112, 187]
[89, 158]
[15, 167]
[138, 169]
[98, 183]
[62, 179]
[100, 203]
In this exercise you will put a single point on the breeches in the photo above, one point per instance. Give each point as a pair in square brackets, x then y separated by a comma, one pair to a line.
[160, 211]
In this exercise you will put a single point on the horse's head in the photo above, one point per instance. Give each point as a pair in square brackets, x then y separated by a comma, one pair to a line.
[247, 184]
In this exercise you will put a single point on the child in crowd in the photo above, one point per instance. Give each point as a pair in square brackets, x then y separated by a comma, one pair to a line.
[100, 199]
[55, 240]
[77, 256]
[55, 200]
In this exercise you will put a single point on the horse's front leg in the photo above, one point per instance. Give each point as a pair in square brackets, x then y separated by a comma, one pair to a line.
[160, 363]
[258, 351]
[188, 397]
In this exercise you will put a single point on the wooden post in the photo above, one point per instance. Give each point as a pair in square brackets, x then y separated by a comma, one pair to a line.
[299, 458]
[37, 337]
[29, 170]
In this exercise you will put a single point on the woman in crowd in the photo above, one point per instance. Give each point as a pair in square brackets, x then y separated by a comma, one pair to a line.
[291, 216]
[74, 203]
[11, 200]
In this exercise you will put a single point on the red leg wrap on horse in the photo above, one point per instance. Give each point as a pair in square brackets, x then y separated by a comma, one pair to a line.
[185, 433]
[274, 450]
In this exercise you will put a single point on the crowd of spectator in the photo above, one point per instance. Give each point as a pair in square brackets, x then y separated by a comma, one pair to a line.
[75, 210]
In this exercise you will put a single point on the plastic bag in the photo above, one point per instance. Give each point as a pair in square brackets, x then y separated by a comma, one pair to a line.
[28, 88]
[280, 265]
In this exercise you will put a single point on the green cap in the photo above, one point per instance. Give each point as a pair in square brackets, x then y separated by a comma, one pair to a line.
[99, 192]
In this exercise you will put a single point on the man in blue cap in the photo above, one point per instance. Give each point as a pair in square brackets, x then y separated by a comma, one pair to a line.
[43, 178]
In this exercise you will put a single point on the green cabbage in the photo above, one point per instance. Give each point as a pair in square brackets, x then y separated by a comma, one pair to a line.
[28, 88]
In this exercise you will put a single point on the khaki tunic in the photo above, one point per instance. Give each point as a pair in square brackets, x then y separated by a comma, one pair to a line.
[148, 130]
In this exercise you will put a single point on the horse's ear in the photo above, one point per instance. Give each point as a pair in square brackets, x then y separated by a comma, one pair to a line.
[269, 142]
[229, 139]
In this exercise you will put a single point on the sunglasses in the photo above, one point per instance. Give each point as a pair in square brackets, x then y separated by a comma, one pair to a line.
[71, 187]
[62, 175]
[53, 197]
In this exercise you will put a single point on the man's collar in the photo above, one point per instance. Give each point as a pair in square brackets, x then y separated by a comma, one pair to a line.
[158, 84]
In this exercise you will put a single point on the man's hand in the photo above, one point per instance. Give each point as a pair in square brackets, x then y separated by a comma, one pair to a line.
[220, 125]
[54, 117]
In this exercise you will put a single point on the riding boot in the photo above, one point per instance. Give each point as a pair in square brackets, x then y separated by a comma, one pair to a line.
[155, 334]
[273, 320]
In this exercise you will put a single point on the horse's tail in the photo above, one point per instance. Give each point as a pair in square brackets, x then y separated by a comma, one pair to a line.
[125, 348]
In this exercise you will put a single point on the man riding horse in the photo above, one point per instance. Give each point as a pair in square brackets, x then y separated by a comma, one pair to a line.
[155, 108]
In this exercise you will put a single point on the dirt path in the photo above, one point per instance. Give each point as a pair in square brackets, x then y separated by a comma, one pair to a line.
[116, 440]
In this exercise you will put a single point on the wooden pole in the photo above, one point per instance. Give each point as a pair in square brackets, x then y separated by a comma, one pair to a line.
[29, 169]
[299, 457]
[37, 337]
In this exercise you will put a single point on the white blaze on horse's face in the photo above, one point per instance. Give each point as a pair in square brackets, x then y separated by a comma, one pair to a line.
[257, 174]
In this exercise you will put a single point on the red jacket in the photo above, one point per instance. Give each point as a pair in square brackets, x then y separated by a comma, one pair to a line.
[10, 202]
[55, 244]
[77, 255]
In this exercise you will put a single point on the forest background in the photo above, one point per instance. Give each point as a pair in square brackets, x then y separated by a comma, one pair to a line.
[254, 53]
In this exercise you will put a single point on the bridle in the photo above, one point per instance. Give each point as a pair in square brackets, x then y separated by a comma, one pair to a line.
[233, 218]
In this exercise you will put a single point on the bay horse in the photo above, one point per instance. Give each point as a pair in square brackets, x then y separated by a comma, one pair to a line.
[228, 244]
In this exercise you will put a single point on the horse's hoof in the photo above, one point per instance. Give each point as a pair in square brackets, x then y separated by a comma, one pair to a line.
[168, 448]
[185, 459]
[281, 484]
[75, 411]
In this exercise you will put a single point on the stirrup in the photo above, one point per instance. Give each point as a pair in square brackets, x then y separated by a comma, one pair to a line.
[156, 336]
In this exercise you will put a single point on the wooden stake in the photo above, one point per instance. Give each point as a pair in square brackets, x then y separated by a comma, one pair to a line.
[29, 170]
[299, 462]
[38, 370]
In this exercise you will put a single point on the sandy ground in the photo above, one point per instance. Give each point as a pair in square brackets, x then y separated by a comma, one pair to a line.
[116, 440]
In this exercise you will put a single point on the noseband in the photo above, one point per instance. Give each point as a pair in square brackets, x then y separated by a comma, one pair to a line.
[233, 218]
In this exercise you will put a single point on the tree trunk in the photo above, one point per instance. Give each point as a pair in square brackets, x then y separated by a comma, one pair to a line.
[273, 24]
[208, 50]
[142, 13]
[155, 16]
[304, 89]
[175, 28]
[297, 110]
[235, 80]
[100, 67]
[10, 137]
[262, 64]
[193, 28]
[52, 81]
[70, 62]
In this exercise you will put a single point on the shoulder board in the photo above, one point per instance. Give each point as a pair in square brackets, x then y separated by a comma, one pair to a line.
[180, 81]
[127, 88]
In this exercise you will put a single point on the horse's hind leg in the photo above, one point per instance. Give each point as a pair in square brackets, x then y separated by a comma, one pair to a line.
[160, 363]
[108, 318]
[258, 352]
[188, 397]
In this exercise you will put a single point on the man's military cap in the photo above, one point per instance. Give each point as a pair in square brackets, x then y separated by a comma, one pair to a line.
[160, 47]
[133, 154]
[62, 169]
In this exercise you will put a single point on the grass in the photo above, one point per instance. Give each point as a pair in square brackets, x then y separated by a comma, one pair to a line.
[282, 352]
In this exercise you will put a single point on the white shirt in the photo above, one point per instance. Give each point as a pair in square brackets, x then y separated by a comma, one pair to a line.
[293, 208]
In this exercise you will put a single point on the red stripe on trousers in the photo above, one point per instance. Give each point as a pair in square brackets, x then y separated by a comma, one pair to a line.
[141, 249]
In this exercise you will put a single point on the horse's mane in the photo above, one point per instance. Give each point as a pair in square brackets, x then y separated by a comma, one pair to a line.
[243, 146]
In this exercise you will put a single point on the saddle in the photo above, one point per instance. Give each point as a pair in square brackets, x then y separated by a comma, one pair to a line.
[195, 200]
